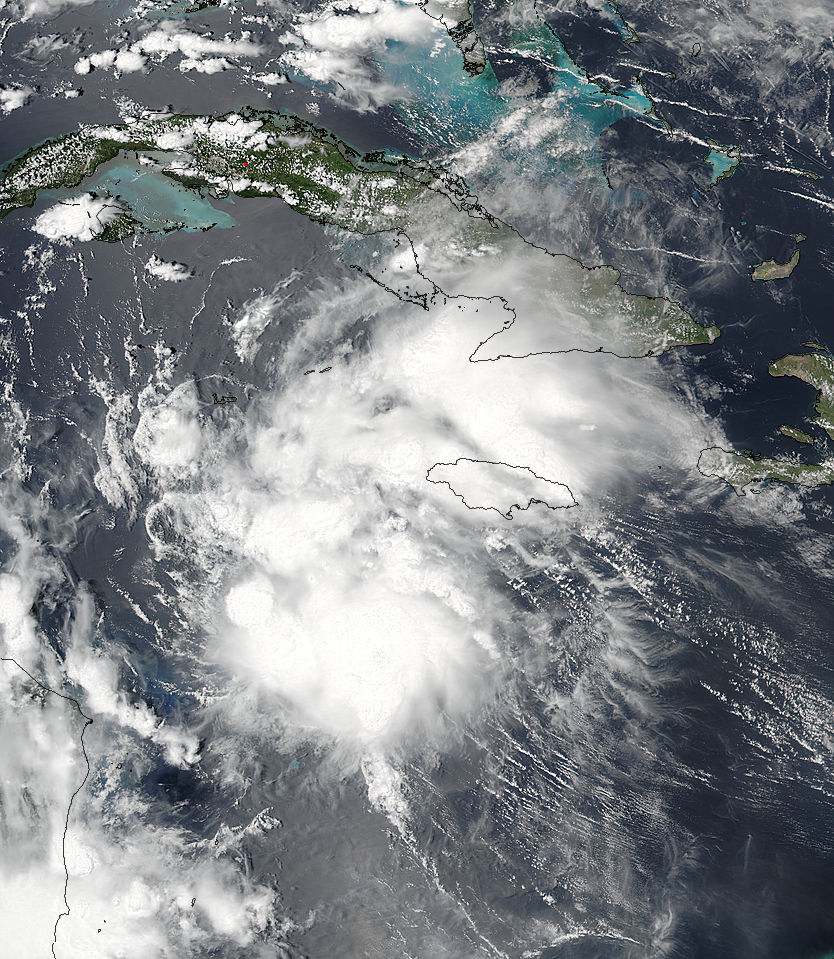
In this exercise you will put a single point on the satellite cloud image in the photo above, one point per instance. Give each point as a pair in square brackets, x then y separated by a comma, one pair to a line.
[416, 479]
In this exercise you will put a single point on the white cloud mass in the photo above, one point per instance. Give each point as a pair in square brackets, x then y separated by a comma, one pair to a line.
[81, 218]
[200, 52]
[256, 315]
[14, 96]
[336, 43]
[356, 595]
[136, 889]
[343, 550]
[168, 270]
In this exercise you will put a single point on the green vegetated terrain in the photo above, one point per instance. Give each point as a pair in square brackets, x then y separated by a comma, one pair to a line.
[248, 154]
[743, 469]
[251, 153]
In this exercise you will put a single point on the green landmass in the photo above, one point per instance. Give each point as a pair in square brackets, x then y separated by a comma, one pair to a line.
[742, 469]
[772, 270]
[250, 153]
[817, 370]
[120, 229]
[795, 434]
[253, 153]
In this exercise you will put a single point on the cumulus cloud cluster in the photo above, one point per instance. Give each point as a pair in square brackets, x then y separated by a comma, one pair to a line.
[337, 44]
[14, 95]
[81, 218]
[168, 270]
[86, 859]
[141, 892]
[342, 606]
[354, 593]
[43, 766]
[199, 52]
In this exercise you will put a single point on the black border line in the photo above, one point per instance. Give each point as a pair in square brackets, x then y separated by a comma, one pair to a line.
[87, 722]
[514, 506]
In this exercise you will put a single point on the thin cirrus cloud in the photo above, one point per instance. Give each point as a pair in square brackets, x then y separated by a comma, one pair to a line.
[257, 314]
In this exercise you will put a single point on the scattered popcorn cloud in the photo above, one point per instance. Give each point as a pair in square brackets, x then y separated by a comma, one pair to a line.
[200, 52]
[168, 270]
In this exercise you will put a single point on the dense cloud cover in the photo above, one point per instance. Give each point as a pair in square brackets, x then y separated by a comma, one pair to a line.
[408, 608]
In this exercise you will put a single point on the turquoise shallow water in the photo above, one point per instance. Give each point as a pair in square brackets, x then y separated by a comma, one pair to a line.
[449, 109]
[547, 136]
[722, 164]
[159, 203]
